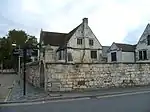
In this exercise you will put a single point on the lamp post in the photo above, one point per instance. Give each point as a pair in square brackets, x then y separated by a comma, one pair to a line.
[24, 70]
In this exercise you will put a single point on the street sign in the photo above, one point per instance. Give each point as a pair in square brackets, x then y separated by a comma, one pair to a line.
[30, 52]
[18, 52]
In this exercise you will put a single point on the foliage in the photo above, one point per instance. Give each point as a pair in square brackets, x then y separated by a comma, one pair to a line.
[18, 37]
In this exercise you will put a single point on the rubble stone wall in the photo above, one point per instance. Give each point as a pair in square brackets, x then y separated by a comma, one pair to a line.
[70, 77]
[32, 73]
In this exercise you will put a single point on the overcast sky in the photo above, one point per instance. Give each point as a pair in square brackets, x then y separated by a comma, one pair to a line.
[110, 20]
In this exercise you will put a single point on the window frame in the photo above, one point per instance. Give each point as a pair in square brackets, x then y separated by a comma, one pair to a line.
[69, 55]
[91, 41]
[148, 40]
[61, 55]
[143, 54]
[95, 55]
[79, 41]
[113, 59]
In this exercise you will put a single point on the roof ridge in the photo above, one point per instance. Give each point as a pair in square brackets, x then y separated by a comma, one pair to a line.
[105, 46]
[54, 32]
[124, 44]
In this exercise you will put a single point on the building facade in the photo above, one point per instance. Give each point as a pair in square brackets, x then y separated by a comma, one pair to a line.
[78, 46]
[143, 46]
[121, 53]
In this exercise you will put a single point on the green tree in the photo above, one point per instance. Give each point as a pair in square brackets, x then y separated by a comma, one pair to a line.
[32, 40]
[18, 37]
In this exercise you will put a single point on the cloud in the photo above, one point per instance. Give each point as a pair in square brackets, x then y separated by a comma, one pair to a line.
[133, 36]
[110, 20]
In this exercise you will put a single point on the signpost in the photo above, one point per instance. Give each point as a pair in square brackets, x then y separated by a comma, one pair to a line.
[23, 53]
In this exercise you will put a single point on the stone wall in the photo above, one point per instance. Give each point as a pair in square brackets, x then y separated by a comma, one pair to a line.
[68, 77]
[32, 73]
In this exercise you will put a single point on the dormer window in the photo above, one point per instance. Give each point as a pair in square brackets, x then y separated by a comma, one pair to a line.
[148, 40]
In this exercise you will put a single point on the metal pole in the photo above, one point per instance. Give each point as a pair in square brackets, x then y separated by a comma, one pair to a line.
[24, 75]
[19, 62]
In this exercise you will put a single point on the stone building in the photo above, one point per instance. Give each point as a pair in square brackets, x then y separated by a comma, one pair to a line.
[78, 46]
[104, 52]
[143, 46]
[119, 52]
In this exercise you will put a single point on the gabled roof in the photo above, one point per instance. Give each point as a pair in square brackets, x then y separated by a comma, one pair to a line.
[52, 38]
[126, 47]
[145, 30]
[67, 38]
[105, 50]
[56, 39]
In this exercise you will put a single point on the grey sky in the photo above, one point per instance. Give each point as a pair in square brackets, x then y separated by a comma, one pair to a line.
[110, 20]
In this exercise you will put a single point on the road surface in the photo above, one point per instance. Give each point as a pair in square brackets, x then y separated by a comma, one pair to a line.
[133, 102]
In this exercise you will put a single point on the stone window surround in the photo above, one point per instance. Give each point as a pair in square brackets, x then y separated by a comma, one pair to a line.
[114, 58]
[91, 42]
[93, 54]
[148, 40]
[142, 57]
[79, 41]
[61, 55]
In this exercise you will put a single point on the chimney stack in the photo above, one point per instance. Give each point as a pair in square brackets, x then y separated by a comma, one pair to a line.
[85, 21]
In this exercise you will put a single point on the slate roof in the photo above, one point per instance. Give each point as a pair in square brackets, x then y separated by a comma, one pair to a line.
[56, 39]
[126, 47]
[105, 50]
[52, 38]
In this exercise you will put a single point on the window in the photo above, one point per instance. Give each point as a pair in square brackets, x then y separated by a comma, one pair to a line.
[148, 40]
[61, 55]
[140, 55]
[79, 41]
[113, 56]
[143, 55]
[70, 57]
[91, 42]
[94, 54]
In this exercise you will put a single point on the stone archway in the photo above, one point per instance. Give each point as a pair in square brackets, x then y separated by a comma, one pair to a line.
[42, 77]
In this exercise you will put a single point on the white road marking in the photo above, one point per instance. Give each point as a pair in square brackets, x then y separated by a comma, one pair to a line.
[123, 94]
[10, 90]
[43, 102]
[75, 99]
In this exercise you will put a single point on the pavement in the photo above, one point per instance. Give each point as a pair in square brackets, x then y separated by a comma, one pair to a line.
[126, 102]
[32, 93]
[6, 85]
[35, 94]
